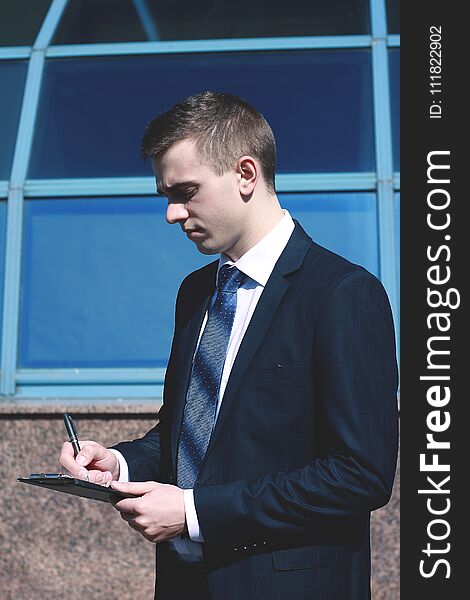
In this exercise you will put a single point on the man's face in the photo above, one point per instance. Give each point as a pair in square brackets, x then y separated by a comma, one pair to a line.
[208, 207]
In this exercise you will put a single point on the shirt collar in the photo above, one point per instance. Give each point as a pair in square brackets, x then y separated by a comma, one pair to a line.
[258, 262]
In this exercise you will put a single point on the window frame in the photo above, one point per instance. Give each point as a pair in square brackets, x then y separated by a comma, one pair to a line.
[146, 384]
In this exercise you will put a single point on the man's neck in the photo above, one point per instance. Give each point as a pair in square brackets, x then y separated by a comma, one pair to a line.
[262, 224]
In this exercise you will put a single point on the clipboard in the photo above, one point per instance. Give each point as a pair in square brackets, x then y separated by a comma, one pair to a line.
[77, 487]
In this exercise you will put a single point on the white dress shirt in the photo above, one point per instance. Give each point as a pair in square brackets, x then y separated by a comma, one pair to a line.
[257, 264]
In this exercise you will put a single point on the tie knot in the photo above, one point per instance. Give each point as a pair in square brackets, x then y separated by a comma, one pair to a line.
[230, 279]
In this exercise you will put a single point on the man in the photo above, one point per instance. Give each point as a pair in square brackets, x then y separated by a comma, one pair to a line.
[278, 431]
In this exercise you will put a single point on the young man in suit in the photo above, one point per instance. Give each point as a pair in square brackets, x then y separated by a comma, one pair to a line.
[278, 431]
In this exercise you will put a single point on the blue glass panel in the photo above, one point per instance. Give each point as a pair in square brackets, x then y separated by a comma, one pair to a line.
[20, 21]
[101, 21]
[100, 277]
[12, 78]
[93, 111]
[3, 228]
[397, 217]
[394, 68]
[393, 16]
[345, 223]
[92, 21]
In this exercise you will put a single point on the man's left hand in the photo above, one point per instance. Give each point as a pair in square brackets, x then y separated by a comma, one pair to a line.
[158, 511]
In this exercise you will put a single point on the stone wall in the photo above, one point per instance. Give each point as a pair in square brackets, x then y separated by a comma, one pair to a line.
[59, 546]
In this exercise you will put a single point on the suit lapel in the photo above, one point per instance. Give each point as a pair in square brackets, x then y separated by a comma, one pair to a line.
[189, 335]
[276, 287]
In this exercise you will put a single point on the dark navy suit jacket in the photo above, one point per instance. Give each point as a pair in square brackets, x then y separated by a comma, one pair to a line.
[305, 443]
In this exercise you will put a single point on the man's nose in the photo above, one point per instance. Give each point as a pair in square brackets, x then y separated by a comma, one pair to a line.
[176, 212]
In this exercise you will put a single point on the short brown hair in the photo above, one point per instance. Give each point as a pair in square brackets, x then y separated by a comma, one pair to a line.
[224, 127]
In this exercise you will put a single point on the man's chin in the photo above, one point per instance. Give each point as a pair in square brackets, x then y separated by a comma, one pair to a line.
[204, 248]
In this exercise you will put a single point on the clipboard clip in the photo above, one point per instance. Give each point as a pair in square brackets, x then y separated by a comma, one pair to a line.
[50, 475]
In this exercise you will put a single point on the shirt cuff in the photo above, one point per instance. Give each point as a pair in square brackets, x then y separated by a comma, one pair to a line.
[123, 468]
[192, 522]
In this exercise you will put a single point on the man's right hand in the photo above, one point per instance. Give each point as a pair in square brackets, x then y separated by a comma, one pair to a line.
[94, 462]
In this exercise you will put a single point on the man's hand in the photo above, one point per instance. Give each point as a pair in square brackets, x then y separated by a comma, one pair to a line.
[94, 462]
[158, 513]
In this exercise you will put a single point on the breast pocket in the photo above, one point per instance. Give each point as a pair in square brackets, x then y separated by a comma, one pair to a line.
[277, 373]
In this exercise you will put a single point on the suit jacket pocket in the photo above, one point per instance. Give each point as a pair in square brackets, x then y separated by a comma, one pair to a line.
[311, 557]
[277, 373]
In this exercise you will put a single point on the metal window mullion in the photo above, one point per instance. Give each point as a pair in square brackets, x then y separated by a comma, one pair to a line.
[9, 342]
[378, 18]
[215, 45]
[15, 224]
[385, 194]
[94, 393]
[12, 52]
[146, 20]
[137, 186]
[91, 376]
[396, 181]
[383, 151]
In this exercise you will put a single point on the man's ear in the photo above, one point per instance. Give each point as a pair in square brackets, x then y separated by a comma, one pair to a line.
[248, 171]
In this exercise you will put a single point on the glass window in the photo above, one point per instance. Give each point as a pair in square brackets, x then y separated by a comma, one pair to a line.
[100, 277]
[95, 21]
[12, 79]
[345, 223]
[92, 112]
[393, 16]
[20, 21]
[3, 235]
[397, 217]
[394, 69]
[102, 21]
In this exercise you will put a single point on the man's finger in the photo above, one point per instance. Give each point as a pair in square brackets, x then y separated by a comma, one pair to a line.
[89, 452]
[136, 527]
[67, 460]
[95, 476]
[126, 505]
[128, 517]
[134, 487]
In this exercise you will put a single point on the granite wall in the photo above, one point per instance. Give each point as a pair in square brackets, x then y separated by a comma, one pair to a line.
[54, 545]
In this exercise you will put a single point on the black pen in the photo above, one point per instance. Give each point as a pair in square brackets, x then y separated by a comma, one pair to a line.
[72, 433]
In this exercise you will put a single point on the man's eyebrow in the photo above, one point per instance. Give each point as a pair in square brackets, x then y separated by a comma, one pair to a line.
[163, 191]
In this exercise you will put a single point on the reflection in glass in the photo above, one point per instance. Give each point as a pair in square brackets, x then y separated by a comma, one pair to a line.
[93, 111]
[100, 277]
[20, 21]
[345, 223]
[394, 69]
[12, 78]
[99, 21]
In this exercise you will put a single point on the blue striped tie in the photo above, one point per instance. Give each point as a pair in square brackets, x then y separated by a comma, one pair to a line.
[203, 391]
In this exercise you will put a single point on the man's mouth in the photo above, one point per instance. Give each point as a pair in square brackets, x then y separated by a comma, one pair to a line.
[192, 232]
